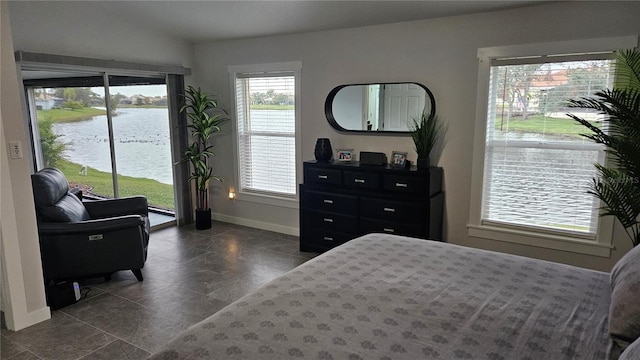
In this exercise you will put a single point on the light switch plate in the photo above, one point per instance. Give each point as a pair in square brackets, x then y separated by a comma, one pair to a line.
[15, 148]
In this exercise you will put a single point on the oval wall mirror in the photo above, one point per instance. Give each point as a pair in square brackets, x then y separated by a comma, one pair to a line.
[378, 108]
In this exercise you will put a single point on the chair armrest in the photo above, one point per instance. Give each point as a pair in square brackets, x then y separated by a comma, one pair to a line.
[91, 226]
[100, 209]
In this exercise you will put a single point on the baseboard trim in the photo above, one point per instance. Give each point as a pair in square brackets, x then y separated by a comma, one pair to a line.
[17, 323]
[257, 224]
[39, 315]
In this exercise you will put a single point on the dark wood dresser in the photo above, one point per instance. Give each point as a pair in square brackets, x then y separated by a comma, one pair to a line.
[341, 201]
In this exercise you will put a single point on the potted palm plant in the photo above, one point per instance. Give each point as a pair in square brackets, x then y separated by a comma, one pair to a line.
[205, 119]
[427, 133]
[618, 185]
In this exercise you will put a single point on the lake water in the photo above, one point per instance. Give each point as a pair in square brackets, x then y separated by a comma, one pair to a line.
[544, 187]
[142, 143]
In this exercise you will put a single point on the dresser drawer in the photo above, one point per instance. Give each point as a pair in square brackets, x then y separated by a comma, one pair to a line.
[376, 226]
[392, 210]
[331, 202]
[404, 183]
[361, 180]
[332, 222]
[324, 239]
[320, 176]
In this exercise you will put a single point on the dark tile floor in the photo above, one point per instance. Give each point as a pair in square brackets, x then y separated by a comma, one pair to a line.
[189, 275]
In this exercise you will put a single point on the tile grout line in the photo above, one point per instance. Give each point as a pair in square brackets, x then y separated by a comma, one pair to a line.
[104, 331]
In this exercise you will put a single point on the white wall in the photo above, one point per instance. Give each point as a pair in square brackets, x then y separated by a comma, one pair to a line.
[74, 28]
[23, 299]
[55, 28]
[440, 54]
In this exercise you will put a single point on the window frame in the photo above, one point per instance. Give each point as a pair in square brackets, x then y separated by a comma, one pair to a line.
[287, 68]
[558, 240]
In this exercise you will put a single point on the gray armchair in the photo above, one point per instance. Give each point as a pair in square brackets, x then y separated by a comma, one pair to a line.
[83, 239]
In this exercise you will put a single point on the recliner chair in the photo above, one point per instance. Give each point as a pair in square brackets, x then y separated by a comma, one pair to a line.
[84, 239]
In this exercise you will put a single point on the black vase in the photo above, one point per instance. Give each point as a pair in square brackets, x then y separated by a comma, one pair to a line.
[203, 219]
[323, 151]
[423, 163]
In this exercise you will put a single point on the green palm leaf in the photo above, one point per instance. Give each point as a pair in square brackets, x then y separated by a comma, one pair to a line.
[427, 133]
[628, 72]
[618, 186]
[205, 119]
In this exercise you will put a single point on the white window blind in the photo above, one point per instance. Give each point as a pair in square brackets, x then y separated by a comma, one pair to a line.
[266, 133]
[537, 166]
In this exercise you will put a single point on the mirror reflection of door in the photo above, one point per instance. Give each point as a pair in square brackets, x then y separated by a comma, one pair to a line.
[371, 121]
[76, 130]
[402, 103]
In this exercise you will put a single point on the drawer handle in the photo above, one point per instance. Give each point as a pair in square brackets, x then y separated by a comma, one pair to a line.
[323, 177]
[328, 238]
[328, 201]
[390, 210]
[389, 230]
[361, 181]
[328, 220]
[402, 185]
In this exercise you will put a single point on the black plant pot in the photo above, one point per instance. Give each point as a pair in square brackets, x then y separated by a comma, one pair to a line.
[203, 219]
[323, 151]
[423, 163]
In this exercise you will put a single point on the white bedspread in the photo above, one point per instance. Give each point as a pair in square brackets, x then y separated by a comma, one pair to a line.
[390, 297]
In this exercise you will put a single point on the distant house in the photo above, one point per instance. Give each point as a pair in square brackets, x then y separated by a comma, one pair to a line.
[138, 99]
[44, 104]
[549, 81]
[48, 104]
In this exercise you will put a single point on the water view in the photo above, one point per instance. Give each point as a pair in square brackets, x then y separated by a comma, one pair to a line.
[142, 143]
[544, 187]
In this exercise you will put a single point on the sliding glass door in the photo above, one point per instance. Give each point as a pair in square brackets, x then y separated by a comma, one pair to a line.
[92, 127]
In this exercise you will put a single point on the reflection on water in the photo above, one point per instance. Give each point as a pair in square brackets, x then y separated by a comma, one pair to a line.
[141, 137]
[540, 186]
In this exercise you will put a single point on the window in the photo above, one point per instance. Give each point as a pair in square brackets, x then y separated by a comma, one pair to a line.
[266, 110]
[536, 168]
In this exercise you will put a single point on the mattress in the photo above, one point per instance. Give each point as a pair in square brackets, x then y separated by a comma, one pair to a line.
[391, 297]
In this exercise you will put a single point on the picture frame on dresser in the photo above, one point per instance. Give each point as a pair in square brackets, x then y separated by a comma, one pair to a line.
[399, 159]
[344, 155]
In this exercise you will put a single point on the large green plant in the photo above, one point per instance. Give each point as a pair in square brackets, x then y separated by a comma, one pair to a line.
[426, 133]
[52, 148]
[618, 185]
[205, 119]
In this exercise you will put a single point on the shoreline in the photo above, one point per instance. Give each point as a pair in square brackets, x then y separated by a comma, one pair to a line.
[158, 194]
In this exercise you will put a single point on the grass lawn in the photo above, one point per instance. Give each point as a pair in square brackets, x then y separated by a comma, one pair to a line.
[68, 115]
[539, 124]
[158, 194]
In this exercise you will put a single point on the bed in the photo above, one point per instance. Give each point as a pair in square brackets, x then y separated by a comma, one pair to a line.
[391, 297]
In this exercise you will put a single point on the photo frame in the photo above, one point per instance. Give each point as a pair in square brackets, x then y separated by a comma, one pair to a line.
[399, 159]
[344, 155]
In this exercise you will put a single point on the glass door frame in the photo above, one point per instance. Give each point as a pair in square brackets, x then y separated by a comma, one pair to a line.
[173, 79]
